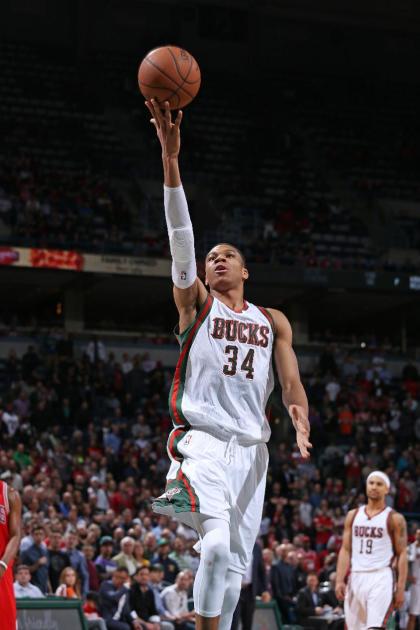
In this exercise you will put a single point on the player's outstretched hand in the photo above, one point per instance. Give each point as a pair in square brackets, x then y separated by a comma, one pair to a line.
[167, 130]
[340, 591]
[302, 427]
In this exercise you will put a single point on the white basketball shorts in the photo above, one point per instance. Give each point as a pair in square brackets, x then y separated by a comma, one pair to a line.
[222, 480]
[369, 599]
[414, 607]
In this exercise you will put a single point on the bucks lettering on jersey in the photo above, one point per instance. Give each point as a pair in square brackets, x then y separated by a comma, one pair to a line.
[224, 375]
[371, 541]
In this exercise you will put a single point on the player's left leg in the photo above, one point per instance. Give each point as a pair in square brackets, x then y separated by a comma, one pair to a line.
[210, 580]
[380, 598]
[247, 480]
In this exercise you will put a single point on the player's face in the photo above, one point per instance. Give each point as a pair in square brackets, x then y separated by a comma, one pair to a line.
[418, 536]
[224, 268]
[376, 489]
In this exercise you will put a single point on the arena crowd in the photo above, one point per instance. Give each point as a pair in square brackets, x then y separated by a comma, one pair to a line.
[83, 441]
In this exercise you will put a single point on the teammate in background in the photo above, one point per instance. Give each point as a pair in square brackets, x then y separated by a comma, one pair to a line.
[10, 526]
[222, 382]
[414, 560]
[374, 537]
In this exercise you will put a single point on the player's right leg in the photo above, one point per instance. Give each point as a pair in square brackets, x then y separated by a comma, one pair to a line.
[355, 603]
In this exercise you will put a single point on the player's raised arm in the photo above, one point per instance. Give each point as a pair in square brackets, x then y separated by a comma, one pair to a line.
[343, 562]
[294, 396]
[189, 291]
[399, 529]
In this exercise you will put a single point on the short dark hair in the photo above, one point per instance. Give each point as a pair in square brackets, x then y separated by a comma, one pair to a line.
[21, 567]
[240, 252]
[140, 569]
[121, 569]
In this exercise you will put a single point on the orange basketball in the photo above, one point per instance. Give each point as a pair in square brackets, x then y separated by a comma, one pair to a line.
[169, 73]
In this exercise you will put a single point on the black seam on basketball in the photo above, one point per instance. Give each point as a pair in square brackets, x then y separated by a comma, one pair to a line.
[157, 87]
[177, 66]
[167, 98]
[168, 76]
[186, 79]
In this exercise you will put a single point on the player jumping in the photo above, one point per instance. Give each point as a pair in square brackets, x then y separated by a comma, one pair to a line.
[222, 382]
[375, 536]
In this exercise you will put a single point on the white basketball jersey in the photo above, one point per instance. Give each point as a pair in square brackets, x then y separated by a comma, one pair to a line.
[414, 559]
[371, 543]
[224, 375]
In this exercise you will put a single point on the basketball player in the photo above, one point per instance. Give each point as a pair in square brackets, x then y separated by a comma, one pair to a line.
[222, 382]
[375, 538]
[414, 560]
[10, 519]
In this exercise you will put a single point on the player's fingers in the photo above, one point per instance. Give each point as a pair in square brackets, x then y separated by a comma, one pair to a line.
[156, 112]
[178, 119]
[167, 114]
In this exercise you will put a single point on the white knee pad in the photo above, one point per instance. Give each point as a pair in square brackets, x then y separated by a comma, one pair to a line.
[209, 585]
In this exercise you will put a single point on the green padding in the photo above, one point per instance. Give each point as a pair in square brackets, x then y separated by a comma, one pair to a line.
[272, 618]
[42, 613]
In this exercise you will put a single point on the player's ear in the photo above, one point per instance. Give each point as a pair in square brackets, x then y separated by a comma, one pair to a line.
[245, 274]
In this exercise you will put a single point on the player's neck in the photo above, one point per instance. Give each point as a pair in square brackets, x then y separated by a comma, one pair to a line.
[374, 506]
[232, 298]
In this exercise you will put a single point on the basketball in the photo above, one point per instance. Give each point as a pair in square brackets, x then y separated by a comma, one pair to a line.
[169, 73]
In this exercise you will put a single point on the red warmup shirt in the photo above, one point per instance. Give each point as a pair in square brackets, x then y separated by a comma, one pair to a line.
[7, 595]
[322, 537]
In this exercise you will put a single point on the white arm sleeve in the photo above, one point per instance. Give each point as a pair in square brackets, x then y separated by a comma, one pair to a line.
[181, 237]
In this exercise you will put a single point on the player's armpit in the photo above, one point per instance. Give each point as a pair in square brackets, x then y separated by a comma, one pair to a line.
[188, 301]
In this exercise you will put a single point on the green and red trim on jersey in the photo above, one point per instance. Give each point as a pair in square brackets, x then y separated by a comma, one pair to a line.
[269, 316]
[179, 494]
[174, 438]
[177, 389]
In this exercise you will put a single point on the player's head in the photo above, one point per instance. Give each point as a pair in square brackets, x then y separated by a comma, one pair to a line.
[225, 267]
[377, 485]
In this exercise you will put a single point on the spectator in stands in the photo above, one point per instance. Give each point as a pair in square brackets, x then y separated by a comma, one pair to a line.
[91, 610]
[22, 585]
[113, 602]
[268, 560]
[89, 553]
[58, 559]
[36, 557]
[142, 601]
[104, 563]
[254, 584]
[69, 584]
[284, 581]
[309, 601]
[179, 556]
[170, 567]
[126, 557]
[175, 600]
[155, 582]
[78, 561]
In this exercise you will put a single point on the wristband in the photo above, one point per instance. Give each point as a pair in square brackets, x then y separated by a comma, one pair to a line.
[4, 565]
